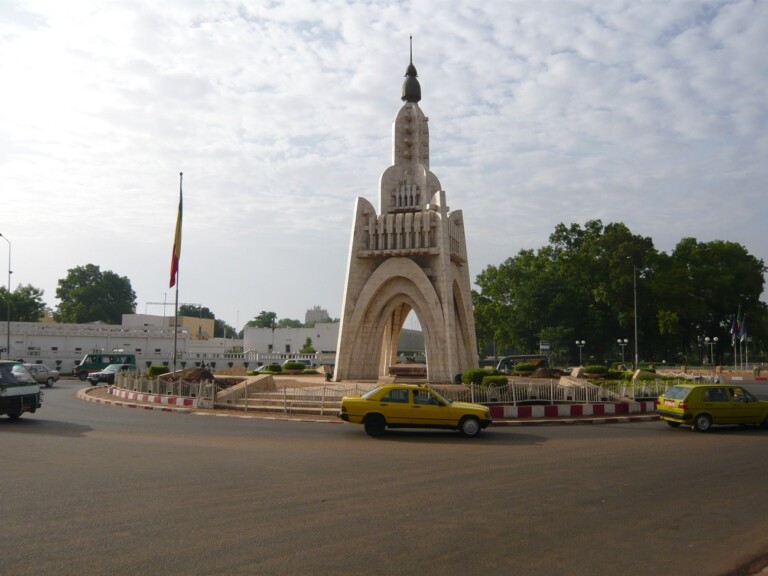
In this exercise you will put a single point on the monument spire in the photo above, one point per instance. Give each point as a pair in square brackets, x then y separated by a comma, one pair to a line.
[411, 86]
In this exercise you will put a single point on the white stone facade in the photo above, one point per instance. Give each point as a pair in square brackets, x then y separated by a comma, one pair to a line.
[410, 256]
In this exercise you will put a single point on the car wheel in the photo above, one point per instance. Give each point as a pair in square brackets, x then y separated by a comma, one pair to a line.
[702, 422]
[764, 424]
[83, 376]
[15, 410]
[470, 427]
[375, 424]
[673, 424]
[49, 383]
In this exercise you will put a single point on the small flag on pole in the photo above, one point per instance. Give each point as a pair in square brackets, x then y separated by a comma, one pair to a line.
[177, 240]
[743, 328]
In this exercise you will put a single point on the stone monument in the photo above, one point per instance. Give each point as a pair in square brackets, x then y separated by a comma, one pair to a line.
[410, 256]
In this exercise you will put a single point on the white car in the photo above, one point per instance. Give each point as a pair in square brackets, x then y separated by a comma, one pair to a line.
[42, 374]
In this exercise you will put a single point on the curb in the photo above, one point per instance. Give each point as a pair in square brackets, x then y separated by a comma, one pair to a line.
[547, 420]
[85, 394]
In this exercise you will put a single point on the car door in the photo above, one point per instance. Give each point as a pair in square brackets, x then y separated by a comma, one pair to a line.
[429, 410]
[742, 409]
[395, 406]
[716, 402]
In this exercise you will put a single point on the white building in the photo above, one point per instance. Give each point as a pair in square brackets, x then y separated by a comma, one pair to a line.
[151, 339]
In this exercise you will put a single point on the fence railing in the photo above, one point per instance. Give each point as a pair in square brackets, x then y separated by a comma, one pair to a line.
[138, 382]
[327, 397]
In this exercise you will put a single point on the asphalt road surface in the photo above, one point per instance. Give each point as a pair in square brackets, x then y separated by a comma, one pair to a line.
[90, 489]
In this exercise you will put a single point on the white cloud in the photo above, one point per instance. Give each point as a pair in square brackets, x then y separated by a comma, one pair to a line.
[279, 114]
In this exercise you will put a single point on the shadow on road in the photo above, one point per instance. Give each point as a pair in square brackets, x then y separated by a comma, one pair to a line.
[42, 427]
[486, 438]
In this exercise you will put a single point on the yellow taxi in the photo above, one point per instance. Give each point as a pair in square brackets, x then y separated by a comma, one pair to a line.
[412, 406]
[703, 405]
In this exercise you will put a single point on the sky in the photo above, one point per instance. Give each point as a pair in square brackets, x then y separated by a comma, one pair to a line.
[279, 114]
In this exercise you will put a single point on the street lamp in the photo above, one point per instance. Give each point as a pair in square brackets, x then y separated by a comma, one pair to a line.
[634, 290]
[580, 344]
[8, 303]
[711, 342]
[622, 343]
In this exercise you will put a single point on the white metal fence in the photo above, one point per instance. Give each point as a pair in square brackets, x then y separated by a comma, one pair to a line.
[327, 397]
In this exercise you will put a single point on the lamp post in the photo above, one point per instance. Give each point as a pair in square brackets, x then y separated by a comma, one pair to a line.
[8, 303]
[580, 344]
[711, 342]
[634, 290]
[622, 343]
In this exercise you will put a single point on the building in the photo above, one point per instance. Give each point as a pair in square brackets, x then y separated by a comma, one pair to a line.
[316, 314]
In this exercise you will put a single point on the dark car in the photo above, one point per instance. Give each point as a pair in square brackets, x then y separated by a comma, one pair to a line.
[107, 376]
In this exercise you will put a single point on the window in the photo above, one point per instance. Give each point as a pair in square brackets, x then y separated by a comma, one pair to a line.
[715, 395]
[398, 395]
[423, 397]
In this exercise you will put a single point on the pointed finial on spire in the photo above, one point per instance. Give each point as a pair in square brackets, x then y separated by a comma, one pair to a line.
[411, 86]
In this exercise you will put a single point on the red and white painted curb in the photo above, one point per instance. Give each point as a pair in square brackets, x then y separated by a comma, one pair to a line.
[573, 410]
[154, 398]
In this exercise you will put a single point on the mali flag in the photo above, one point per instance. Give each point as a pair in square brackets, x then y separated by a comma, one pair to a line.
[177, 240]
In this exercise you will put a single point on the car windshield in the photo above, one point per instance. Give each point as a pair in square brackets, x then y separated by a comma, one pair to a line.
[21, 374]
[677, 392]
[112, 368]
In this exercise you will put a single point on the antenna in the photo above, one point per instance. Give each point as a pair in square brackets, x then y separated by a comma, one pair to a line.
[411, 49]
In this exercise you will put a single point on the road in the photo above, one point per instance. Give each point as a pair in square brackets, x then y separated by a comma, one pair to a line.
[95, 489]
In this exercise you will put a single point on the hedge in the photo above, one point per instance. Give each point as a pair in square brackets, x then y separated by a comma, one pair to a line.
[496, 380]
[595, 369]
[155, 370]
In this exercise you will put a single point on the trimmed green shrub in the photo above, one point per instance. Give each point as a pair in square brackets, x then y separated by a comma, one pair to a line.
[595, 369]
[290, 365]
[475, 375]
[496, 380]
[155, 370]
[524, 367]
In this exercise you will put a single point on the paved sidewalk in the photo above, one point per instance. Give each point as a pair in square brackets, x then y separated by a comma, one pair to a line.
[101, 395]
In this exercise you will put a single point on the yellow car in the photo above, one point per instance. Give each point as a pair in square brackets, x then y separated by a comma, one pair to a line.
[412, 406]
[702, 405]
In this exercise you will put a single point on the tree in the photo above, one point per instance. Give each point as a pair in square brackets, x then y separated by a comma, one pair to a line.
[584, 284]
[26, 303]
[263, 320]
[196, 311]
[307, 348]
[289, 323]
[89, 295]
[222, 330]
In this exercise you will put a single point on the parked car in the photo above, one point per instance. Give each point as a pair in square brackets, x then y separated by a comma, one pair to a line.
[42, 374]
[95, 362]
[107, 375]
[412, 406]
[19, 392]
[704, 405]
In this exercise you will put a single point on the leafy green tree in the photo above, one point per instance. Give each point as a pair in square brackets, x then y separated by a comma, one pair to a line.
[307, 348]
[222, 330]
[26, 304]
[89, 295]
[263, 320]
[196, 311]
[588, 281]
[289, 323]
